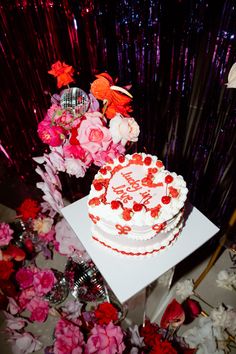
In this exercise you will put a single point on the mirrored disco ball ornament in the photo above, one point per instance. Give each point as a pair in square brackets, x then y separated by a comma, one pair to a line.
[86, 282]
[76, 100]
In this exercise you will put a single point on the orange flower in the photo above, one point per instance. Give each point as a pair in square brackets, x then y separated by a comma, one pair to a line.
[62, 72]
[117, 98]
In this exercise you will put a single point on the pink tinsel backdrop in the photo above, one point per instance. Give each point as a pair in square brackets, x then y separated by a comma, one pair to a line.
[176, 55]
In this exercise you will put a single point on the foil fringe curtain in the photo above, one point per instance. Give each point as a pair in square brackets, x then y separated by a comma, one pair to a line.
[176, 55]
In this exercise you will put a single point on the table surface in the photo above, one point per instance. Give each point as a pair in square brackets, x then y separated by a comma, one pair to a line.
[126, 276]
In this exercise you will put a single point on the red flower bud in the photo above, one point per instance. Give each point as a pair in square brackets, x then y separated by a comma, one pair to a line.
[192, 310]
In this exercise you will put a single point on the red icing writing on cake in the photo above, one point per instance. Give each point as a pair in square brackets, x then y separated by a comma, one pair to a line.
[134, 185]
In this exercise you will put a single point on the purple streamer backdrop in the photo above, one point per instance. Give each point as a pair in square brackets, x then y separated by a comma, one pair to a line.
[176, 55]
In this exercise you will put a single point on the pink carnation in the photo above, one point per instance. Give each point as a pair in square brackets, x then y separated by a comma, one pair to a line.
[5, 234]
[25, 296]
[105, 339]
[69, 338]
[44, 281]
[93, 135]
[39, 309]
[25, 277]
[50, 134]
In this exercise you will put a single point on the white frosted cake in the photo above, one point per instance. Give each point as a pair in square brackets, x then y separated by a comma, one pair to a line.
[136, 206]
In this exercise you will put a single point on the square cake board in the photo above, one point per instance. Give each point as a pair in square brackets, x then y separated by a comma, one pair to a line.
[126, 276]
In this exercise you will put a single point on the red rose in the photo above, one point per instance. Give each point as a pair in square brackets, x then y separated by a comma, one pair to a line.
[149, 333]
[105, 313]
[6, 268]
[162, 347]
[173, 316]
[192, 310]
[29, 209]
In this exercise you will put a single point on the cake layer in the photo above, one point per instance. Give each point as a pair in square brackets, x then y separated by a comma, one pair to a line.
[122, 246]
[136, 197]
[144, 232]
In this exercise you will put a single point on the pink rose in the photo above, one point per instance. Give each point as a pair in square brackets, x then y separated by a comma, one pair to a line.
[114, 150]
[92, 134]
[105, 340]
[44, 281]
[25, 296]
[39, 309]
[5, 234]
[69, 338]
[25, 277]
[50, 134]
[124, 129]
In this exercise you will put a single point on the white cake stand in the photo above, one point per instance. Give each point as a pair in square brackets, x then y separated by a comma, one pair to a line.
[127, 276]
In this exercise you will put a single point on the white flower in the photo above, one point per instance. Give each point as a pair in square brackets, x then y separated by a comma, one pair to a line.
[75, 167]
[135, 337]
[232, 77]
[42, 225]
[226, 280]
[24, 343]
[203, 337]
[123, 129]
[224, 318]
[184, 289]
[73, 309]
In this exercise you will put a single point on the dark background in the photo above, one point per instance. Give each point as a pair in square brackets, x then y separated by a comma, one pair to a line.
[177, 56]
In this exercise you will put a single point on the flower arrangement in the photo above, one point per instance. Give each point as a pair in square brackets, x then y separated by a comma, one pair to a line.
[83, 129]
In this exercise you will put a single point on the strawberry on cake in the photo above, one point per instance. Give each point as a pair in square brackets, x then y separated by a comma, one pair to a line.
[136, 206]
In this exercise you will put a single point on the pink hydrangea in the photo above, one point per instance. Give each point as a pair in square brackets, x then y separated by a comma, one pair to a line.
[44, 281]
[25, 277]
[39, 309]
[105, 339]
[50, 134]
[69, 338]
[93, 135]
[5, 234]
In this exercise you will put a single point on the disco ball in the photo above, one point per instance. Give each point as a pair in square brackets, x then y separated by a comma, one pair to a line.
[76, 99]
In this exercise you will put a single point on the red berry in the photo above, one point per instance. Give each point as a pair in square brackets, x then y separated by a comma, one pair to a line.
[148, 160]
[159, 163]
[121, 158]
[165, 199]
[98, 186]
[115, 204]
[154, 170]
[94, 201]
[169, 179]
[137, 207]
[103, 171]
